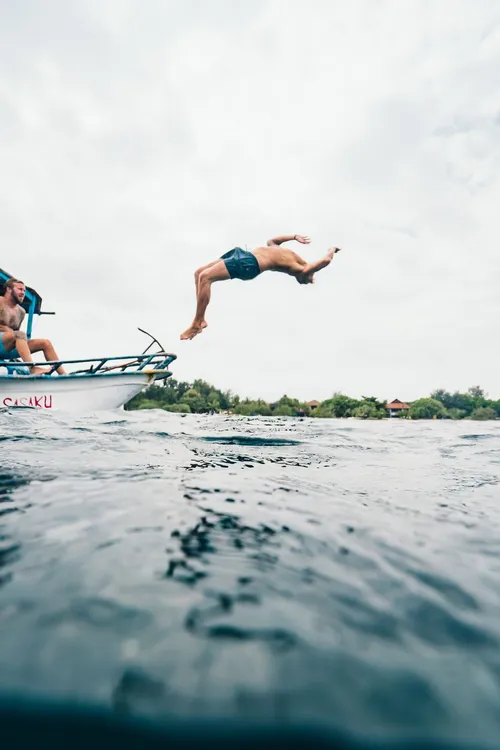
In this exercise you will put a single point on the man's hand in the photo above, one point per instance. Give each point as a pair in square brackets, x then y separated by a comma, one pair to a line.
[288, 238]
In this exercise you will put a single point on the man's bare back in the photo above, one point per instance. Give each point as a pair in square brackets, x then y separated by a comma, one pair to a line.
[245, 265]
[283, 260]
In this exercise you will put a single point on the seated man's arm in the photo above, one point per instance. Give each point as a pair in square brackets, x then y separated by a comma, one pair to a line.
[19, 335]
[288, 238]
[4, 328]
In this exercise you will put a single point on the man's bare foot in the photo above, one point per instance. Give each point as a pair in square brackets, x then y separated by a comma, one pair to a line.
[38, 371]
[191, 332]
[204, 324]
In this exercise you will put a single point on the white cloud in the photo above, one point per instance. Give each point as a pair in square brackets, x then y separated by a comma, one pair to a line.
[144, 139]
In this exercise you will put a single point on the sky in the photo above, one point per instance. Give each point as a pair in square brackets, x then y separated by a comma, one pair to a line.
[141, 139]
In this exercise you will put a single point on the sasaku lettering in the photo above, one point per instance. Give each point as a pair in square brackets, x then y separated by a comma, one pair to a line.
[38, 402]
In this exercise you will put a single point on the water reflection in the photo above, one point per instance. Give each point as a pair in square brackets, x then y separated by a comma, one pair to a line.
[10, 550]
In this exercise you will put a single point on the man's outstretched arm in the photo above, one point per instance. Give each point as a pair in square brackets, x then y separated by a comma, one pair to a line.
[288, 238]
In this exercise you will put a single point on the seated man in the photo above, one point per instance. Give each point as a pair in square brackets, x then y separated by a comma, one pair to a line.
[13, 342]
[245, 265]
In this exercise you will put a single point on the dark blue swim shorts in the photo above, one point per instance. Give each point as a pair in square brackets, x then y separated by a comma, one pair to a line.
[241, 264]
[4, 354]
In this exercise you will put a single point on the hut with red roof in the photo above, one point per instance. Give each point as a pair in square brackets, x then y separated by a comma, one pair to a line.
[397, 407]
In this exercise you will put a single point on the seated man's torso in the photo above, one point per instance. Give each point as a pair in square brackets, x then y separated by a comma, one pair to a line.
[10, 317]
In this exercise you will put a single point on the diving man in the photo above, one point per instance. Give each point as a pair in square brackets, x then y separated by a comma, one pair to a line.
[245, 265]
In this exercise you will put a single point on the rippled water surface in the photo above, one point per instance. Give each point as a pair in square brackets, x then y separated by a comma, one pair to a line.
[342, 574]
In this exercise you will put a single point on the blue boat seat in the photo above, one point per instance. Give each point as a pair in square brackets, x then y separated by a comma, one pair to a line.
[16, 368]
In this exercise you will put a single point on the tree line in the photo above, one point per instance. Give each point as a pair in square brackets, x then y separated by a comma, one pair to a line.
[200, 397]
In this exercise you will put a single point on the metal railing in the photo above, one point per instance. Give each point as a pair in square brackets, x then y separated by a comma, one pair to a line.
[129, 363]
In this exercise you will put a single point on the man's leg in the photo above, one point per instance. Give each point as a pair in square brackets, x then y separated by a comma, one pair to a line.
[215, 272]
[11, 342]
[45, 346]
[8, 341]
[197, 275]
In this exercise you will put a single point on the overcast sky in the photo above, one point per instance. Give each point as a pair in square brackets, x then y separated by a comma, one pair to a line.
[143, 138]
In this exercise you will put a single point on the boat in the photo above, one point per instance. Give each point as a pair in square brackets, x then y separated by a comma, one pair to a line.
[92, 384]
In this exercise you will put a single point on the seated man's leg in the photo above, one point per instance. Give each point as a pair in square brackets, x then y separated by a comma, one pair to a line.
[8, 345]
[45, 346]
[18, 348]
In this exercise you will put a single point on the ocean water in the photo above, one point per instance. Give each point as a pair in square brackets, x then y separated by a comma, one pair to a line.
[336, 578]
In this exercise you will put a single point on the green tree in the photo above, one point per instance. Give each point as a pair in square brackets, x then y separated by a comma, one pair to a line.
[148, 404]
[174, 390]
[285, 400]
[283, 410]
[483, 413]
[367, 410]
[323, 411]
[292, 405]
[372, 408]
[181, 408]
[456, 413]
[427, 408]
[304, 409]
[444, 397]
[226, 399]
[213, 398]
[253, 408]
[464, 402]
[477, 393]
[194, 400]
[341, 405]
[379, 405]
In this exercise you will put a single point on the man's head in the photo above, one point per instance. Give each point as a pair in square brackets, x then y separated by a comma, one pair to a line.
[15, 290]
[305, 279]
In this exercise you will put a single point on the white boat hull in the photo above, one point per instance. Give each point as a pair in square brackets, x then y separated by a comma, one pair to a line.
[75, 393]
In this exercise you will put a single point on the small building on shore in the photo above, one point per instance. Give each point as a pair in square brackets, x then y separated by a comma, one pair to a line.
[313, 405]
[396, 408]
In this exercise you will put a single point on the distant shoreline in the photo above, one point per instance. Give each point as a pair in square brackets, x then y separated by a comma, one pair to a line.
[200, 397]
